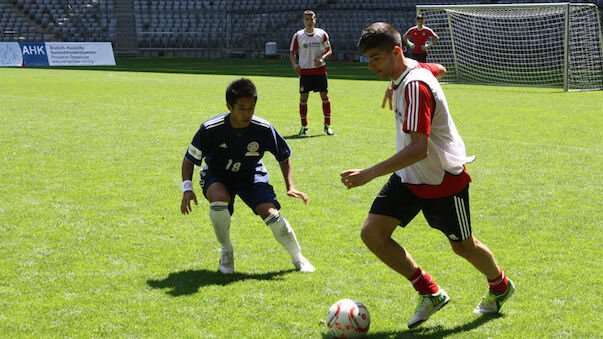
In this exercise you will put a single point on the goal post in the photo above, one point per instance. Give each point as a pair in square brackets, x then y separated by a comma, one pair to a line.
[544, 45]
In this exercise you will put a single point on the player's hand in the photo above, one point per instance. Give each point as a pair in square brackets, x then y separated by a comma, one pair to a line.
[297, 68]
[297, 194]
[354, 178]
[411, 45]
[185, 206]
[389, 93]
[318, 61]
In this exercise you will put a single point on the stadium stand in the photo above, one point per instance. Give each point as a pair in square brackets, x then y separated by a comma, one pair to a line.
[57, 20]
[209, 28]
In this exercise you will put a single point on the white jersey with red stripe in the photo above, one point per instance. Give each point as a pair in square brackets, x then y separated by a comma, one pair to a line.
[446, 151]
[309, 46]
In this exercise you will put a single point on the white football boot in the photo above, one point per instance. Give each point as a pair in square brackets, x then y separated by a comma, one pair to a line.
[303, 265]
[492, 303]
[426, 306]
[227, 262]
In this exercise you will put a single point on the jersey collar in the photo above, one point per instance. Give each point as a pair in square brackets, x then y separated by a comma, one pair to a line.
[411, 64]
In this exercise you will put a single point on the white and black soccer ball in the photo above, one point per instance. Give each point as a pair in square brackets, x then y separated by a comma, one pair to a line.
[348, 318]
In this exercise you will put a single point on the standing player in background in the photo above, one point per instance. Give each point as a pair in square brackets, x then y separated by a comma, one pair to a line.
[313, 47]
[428, 175]
[420, 34]
[233, 145]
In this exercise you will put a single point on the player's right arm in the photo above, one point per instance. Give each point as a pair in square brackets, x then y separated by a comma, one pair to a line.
[412, 153]
[405, 38]
[193, 156]
[293, 54]
[187, 187]
[417, 123]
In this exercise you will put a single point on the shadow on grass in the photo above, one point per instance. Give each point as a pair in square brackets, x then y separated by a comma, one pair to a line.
[297, 136]
[433, 331]
[189, 282]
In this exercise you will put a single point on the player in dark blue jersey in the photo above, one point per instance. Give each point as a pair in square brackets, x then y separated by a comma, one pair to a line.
[233, 145]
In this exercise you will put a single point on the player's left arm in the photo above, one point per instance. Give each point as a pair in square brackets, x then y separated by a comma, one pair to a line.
[282, 152]
[328, 51]
[288, 176]
[434, 39]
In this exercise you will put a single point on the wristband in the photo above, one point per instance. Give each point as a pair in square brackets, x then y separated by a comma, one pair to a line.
[187, 185]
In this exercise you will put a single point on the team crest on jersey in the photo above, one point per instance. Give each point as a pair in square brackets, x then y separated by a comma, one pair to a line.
[398, 114]
[252, 149]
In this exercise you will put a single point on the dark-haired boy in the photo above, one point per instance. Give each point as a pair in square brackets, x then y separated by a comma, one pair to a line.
[233, 145]
[428, 175]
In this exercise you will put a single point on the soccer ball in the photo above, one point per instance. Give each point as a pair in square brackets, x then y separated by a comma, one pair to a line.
[348, 318]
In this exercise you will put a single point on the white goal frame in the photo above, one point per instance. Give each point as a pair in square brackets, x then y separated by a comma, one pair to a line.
[575, 64]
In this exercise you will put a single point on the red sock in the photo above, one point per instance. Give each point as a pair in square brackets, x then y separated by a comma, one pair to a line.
[303, 113]
[499, 284]
[326, 110]
[423, 283]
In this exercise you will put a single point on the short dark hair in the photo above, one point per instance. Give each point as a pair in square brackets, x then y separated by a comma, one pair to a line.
[420, 17]
[309, 12]
[379, 35]
[240, 88]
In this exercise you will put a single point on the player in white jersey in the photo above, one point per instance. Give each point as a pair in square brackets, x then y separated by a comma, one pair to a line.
[428, 175]
[313, 47]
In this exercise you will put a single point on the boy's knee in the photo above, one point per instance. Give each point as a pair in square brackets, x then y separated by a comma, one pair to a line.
[371, 236]
[464, 248]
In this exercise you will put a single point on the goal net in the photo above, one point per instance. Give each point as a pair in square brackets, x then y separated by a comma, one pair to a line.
[549, 45]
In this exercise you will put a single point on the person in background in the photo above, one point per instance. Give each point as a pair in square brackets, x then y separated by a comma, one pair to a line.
[420, 35]
[313, 47]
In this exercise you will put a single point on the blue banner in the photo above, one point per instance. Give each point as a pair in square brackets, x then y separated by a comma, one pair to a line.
[29, 54]
[34, 53]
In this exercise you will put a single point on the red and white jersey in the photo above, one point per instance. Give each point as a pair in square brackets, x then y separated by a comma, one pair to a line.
[419, 37]
[421, 107]
[308, 47]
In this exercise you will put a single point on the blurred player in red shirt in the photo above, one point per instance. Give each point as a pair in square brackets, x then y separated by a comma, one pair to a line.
[420, 35]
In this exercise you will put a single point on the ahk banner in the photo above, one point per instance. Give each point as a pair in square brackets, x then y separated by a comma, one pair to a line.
[56, 54]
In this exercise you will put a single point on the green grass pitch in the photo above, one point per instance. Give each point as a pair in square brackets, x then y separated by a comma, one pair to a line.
[92, 242]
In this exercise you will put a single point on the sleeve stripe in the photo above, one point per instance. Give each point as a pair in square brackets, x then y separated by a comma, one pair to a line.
[416, 124]
[410, 105]
[412, 118]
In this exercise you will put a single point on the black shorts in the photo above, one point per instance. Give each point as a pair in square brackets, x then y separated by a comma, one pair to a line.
[448, 214]
[316, 83]
[420, 57]
[252, 193]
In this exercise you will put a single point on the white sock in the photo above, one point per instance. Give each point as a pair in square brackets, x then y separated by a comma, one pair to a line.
[284, 234]
[220, 219]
